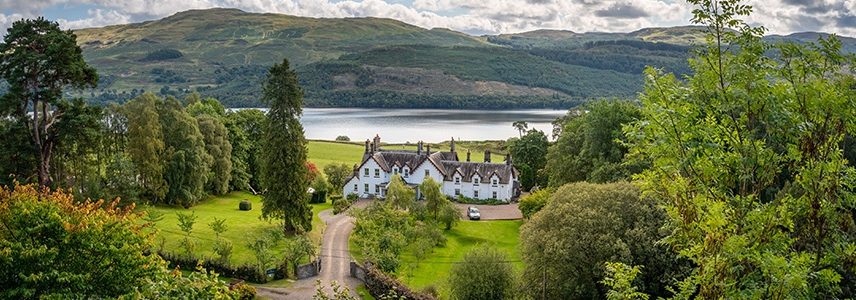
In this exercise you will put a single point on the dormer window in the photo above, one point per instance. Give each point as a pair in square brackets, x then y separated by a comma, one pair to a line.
[395, 170]
[494, 182]
[457, 180]
[427, 173]
[476, 181]
[406, 172]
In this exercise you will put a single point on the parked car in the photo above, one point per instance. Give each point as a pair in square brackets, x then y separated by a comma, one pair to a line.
[473, 213]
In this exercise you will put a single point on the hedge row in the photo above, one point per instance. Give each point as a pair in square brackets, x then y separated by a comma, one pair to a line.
[245, 272]
[382, 286]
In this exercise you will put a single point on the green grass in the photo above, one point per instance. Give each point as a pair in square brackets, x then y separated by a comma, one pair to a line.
[323, 153]
[363, 292]
[467, 235]
[243, 226]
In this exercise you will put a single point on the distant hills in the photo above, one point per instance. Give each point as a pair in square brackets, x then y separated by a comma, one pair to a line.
[375, 62]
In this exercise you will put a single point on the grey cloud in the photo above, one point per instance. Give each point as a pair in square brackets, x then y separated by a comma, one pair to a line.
[623, 11]
[847, 20]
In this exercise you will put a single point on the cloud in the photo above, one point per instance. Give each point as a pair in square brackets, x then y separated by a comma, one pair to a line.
[472, 16]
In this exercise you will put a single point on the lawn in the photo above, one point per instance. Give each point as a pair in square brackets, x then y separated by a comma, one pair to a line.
[503, 235]
[243, 226]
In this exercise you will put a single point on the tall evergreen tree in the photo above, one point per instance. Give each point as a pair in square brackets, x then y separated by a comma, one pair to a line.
[283, 153]
[38, 60]
[246, 128]
[187, 162]
[145, 144]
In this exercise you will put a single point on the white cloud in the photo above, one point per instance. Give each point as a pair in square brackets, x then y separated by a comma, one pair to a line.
[481, 16]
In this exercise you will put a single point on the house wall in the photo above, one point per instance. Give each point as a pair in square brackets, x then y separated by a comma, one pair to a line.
[371, 180]
[467, 188]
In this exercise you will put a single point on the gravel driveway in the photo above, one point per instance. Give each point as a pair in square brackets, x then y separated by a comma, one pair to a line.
[493, 212]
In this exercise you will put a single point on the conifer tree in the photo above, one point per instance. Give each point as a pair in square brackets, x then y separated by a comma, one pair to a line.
[283, 153]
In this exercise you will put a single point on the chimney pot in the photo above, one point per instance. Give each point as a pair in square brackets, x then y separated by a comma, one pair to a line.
[487, 156]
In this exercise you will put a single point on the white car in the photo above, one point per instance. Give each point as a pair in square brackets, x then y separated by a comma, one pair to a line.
[473, 213]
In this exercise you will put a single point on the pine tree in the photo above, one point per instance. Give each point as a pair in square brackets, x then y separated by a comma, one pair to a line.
[283, 153]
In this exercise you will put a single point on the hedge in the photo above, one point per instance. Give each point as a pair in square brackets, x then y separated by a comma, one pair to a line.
[245, 272]
[381, 286]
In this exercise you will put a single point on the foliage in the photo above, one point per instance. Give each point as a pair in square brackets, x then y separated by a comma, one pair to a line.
[261, 248]
[297, 248]
[186, 161]
[245, 205]
[343, 138]
[185, 223]
[162, 54]
[748, 164]
[218, 147]
[218, 226]
[382, 286]
[284, 171]
[246, 127]
[201, 284]
[619, 279]
[529, 156]
[147, 145]
[584, 225]
[341, 205]
[532, 203]
[485, 273]
[337, 174]
[382, 233]
[339, 292]
[434, 198]
[223, 249]
[398, 194]
[591, 146]
[449, 215]
[38, 61]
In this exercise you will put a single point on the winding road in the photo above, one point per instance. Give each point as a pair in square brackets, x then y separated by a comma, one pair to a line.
[335, 261]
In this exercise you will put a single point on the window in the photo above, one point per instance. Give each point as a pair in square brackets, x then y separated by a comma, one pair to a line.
[355, 187]
[494, 182]
[476, 194]
[457, 180]
[476, 181]
[494, 195]
[376, 173]
[366, 171]
[457, 192]
[377, 189]
[427, 173]
[394, 170]
[366, 187]
[406, 172]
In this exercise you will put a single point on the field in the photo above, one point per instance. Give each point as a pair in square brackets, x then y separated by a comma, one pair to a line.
[502, 235]
[323, 153]
[243, 226]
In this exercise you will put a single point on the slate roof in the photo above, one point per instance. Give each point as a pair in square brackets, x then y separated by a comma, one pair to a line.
[483, 170]
[446, 162]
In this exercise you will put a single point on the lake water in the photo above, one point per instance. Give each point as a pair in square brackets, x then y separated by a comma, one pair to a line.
[430, 125]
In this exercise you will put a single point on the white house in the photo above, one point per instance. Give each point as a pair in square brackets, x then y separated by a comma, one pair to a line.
[479, 180]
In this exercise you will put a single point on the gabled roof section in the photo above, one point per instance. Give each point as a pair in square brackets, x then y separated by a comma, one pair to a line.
[483, 170]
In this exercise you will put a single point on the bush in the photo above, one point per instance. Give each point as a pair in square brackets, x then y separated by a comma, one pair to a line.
[533, 203]
[343, 138]
[353, 197]
[245, 272]
[162, 54]
[245, 205]
[244, 291]
[484, 274]
[468, 200]
[335, 198]
[340, 206]
[382, 286]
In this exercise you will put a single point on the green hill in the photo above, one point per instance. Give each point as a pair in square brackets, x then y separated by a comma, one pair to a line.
[374, 62]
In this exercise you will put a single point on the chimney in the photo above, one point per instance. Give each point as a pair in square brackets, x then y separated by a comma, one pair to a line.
[508, 159]
[367, 146]
[419, 148]
[428, 149]
[452, 145]
[487, 156]
[377, 142]
[357, 168]
[468, 154]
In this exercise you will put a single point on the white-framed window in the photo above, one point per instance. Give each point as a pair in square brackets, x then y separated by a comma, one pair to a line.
[494, 182]
[476, 181]
[366, 171]
[355, 187]
[376, 173]
[494, 195]
[457, 192]
[395, 170]
[406, 172]
[377, 189]
[476, 194]
[366, 187]
[457, 180]
[427, 173]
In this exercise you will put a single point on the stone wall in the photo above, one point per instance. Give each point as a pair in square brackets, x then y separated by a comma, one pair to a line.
[309, 270]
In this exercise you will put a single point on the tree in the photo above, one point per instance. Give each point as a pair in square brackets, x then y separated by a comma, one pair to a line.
[533, 202]
[185, 223]
[146, 144]
[218, 147]
[521, 127]
[296, 249]
[336, 174]
[591, 146]
[529, 156]
[398, 194]
[747, 162]
[284, 172]
[246, 127]
[583, 226]
[38, 61]
[434, 198]
[485, 273]
[449, 215]
[187, 162]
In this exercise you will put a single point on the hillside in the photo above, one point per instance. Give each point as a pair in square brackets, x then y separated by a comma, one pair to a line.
[374, 62]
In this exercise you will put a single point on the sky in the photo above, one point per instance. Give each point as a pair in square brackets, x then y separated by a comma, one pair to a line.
[471, 16]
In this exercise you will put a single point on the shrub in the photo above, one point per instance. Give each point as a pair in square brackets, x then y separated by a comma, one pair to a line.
[245, 205]
[468, 200]
[449, 215]
[382, 286]
[343, 138]
[335, 198]
[533, 203]
[243, 291]
[340, 206]
[484, 274]
[353, 197]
